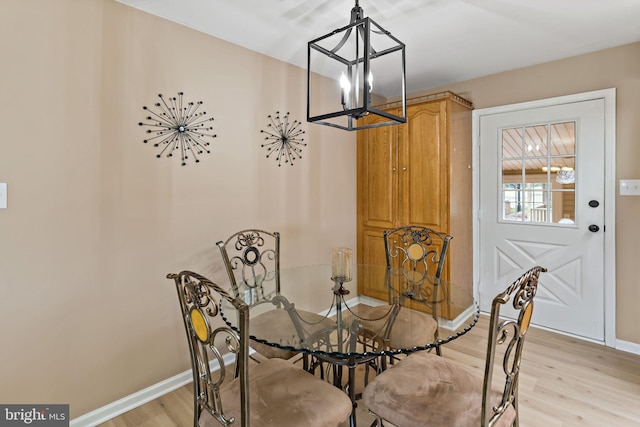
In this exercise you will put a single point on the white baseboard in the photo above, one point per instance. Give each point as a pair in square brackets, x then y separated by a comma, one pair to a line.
[460, 321]
[363, 299]
[352, 302]
[629, 347]
[139, 398]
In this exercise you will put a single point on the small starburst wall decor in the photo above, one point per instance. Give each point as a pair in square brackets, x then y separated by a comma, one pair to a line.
[284, 138]
[179, 125]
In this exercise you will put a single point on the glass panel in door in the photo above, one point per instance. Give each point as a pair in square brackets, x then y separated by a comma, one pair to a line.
[538, 174]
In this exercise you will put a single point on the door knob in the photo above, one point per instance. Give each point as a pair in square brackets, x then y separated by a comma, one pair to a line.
[594, 228]
[594, 203]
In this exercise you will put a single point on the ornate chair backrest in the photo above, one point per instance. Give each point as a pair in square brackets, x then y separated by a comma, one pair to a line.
[511, 334]
[251, 257]
[415, 256]
[200, 301]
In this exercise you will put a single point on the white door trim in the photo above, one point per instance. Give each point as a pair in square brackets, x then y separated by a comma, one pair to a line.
[609, 96]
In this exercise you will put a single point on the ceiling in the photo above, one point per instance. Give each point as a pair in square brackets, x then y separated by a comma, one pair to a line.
[447, 41]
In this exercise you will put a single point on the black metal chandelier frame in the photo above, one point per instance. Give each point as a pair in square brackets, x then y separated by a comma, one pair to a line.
[363, 26]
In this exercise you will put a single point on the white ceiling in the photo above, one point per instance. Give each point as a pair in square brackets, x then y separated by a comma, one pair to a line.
[447, 41]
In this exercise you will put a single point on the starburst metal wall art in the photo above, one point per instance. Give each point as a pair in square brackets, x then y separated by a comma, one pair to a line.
[284, 138]
[176, 125]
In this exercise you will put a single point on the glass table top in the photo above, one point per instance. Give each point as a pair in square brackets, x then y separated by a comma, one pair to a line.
[302, 309]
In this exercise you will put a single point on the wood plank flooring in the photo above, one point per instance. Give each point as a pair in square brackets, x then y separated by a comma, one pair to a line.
[564, 382]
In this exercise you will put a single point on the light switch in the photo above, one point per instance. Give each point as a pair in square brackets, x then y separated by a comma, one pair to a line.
[630, 187]
[3, 195]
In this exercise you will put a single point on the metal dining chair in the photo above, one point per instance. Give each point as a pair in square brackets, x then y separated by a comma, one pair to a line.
[430, 391]
[251, 258]
[273, 393]
[415, 258]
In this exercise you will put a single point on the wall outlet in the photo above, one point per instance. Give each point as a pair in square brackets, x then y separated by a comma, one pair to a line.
[630, 187]
[3, 195]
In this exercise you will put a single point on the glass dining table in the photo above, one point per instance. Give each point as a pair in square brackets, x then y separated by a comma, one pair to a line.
[337, 325]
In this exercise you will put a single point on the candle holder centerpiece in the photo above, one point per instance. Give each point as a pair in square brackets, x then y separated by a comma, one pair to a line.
[341, 269]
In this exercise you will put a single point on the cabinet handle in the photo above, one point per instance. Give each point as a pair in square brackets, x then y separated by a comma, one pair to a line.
[393, 169]
[404, 168]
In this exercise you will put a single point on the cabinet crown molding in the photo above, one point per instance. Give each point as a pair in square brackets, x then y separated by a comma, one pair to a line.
[438, 95]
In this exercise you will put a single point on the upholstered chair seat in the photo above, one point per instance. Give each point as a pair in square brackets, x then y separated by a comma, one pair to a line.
[282, 395]
[274, 393]
[401, 335]
[451, 395]
[271, 324]
[426, 390]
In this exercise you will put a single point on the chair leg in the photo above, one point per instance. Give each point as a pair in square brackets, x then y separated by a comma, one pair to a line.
[196, 414]
[379, 365]
[311, 363]
[392, 359]
[516, 421]
[197, 409]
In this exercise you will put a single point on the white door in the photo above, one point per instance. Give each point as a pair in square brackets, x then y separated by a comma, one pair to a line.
[541, 201]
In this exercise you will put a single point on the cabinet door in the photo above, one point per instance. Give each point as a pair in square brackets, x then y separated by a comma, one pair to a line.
[377, 177]
[423, 166]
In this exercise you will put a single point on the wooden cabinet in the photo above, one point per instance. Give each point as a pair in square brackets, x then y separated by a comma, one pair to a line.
[418, 173]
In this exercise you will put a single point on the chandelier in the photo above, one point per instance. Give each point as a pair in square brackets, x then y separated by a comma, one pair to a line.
[566, 176]
[366, 66]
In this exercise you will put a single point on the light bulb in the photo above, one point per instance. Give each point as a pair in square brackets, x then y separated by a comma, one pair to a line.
[345, 85]
[345, 88]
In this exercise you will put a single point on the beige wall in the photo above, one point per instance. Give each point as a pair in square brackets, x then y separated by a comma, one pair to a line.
[612, 68]
[95, 221]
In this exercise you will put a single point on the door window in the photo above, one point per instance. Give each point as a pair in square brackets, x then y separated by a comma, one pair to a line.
[538, 178]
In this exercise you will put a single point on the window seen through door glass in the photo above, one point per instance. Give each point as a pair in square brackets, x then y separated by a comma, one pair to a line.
[538, 174]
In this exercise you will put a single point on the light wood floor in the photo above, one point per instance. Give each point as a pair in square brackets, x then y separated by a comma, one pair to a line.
[564, 382]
